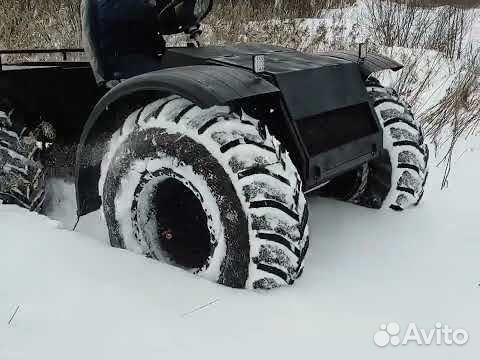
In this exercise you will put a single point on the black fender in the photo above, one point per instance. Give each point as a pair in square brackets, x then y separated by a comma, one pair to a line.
[204, 85]
[371, 64]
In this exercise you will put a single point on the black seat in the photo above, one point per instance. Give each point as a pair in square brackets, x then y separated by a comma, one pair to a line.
[121, 38]
[90, 42]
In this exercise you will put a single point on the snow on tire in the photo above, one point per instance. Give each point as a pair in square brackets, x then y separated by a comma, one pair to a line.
[208, 190]
[22, 179]
[397, 178]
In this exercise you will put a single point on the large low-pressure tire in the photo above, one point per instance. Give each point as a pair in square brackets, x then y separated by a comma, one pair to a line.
[22, 177]
[398, 177]
[208, 190]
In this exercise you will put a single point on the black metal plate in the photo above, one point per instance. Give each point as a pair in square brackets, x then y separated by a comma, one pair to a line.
[315, 91]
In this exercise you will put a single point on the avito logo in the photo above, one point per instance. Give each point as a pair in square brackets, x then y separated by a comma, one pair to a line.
[391, 334]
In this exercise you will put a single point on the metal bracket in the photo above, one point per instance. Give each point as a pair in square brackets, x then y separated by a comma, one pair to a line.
[63, 52]
[362, 51]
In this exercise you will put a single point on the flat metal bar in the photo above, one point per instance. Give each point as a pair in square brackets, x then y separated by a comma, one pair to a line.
[40, 51]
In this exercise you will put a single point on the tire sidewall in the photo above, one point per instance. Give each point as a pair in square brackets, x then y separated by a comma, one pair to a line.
[230, 260]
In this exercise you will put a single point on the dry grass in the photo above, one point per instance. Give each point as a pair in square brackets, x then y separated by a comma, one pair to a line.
[418, 75]
[45, 23]
[436, 3]
[405, 25]
[267, 22]
[56, 23]
[457, 115]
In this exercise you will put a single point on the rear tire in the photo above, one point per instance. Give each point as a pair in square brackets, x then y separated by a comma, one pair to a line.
[22, 177]
[398, 177]
[206, 190]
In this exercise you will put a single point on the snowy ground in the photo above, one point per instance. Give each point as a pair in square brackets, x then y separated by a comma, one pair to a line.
[78, 298]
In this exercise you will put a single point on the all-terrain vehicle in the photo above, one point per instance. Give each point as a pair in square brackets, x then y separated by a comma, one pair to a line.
[202, 157]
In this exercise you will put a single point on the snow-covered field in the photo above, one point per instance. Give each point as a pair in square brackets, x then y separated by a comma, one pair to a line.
[78, 298]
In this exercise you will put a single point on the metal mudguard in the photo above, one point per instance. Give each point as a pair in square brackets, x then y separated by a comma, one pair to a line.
[371, 64]
[311, 84]
[324, 97]
[205, 86]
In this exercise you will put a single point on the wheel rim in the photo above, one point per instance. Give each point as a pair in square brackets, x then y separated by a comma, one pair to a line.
[173, 223]
[182, 228]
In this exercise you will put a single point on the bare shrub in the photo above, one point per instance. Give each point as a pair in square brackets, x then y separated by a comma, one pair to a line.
[458, 113]
[410, 24]
[421, 76]
[449, 30]
[56, 23]
[393, 24]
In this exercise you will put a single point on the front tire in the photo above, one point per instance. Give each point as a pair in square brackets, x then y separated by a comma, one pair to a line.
[207, 190]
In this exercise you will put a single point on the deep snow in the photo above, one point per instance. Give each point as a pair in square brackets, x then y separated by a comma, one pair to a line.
[81, 299]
